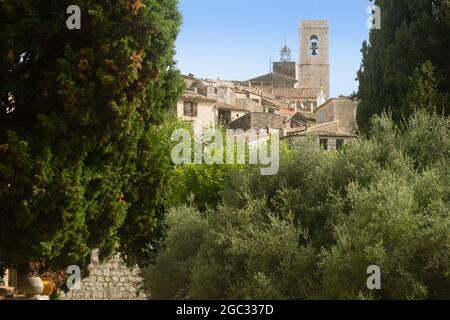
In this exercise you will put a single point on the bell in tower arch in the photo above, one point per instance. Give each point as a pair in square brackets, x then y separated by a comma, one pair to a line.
[314, 45]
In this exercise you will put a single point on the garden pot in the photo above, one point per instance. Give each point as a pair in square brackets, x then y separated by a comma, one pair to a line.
[30, 286]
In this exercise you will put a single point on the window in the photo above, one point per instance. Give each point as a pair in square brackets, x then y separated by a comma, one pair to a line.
[224, 117]
[215, 91]
[321, 116]
[190, 109]
[314, 45]
[339, 144]
[324, 144]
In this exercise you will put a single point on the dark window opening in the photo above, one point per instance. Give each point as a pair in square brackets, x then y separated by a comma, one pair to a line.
[224, 117]
[339, 144]
[190, 109]
[324, 144]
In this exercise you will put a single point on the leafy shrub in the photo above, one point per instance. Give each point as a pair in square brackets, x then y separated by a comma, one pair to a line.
[312, 231]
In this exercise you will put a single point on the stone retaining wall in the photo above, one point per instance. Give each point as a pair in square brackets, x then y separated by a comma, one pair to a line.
[108, 281]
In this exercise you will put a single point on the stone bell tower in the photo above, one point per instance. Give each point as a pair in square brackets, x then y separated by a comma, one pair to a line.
[314, 65]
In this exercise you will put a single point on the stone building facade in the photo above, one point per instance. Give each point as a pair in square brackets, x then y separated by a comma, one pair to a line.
[196, 107]
[340, 111]
[333, 124]
[259, 121]
[314, 68]
[295, 81]
[286, 68]
[273, 81]
[293, 97]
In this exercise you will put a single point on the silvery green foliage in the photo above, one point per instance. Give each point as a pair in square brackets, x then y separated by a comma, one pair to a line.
[313, 230]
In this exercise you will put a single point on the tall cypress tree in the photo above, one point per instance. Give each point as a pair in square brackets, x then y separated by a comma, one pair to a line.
[412, 33]
[80, 167]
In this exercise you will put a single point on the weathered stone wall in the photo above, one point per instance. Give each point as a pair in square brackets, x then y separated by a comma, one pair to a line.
[341, 110]
[224, 94]
[267, 120]
[283, 82]
[331, 141]
[314, 71]
[345, 115]
[241, 123]
[325, 113]
[248, 105]
[259, 121]
[285, 68]
[108, 281]
[229, 96]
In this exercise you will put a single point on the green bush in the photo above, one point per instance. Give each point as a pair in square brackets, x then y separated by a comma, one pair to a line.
[312, 231]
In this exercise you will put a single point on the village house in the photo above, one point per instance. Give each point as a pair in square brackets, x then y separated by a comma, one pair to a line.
[196, 107]
[334, 124]
[292, 98]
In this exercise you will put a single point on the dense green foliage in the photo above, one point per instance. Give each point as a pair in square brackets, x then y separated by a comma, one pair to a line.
[312, 231]
[202, 184]
[82, 156]
[407, 57]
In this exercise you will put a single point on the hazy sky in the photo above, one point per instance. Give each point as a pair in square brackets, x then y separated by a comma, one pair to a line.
[234, 39]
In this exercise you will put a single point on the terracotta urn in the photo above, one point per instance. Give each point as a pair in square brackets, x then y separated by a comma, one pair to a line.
[29, 285]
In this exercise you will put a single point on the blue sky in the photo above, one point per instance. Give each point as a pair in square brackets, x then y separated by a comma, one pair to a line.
[234, 39]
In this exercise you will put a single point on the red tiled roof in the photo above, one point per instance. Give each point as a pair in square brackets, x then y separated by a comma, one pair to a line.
[286, 111]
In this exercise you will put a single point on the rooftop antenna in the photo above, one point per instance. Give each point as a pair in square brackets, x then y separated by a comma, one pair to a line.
[270, 61]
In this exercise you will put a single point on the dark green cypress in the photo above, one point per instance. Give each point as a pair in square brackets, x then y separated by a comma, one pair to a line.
[81, 166]
[413, 33]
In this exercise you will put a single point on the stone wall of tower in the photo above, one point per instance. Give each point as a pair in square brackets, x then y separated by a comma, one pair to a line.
[314, 70]
[286, 68]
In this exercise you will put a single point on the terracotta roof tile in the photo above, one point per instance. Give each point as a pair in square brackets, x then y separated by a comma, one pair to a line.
[187, 95]
[286, 111]
[223, 105]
